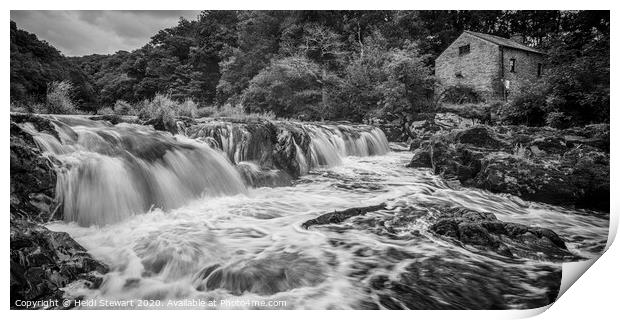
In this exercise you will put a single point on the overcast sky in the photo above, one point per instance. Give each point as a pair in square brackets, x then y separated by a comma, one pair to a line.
[77, 33]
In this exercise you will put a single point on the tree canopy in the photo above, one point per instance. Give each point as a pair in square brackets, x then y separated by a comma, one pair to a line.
[315, 64]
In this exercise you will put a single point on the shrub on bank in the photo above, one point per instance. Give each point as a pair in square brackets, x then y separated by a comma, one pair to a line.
[58, 101]
[483, 112]
[59, 98]
[526, 108]
[122, 107]
[461, 94]
[106, 111]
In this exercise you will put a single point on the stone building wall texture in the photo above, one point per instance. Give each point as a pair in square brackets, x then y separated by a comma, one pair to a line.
[481, 68]
[526, 68]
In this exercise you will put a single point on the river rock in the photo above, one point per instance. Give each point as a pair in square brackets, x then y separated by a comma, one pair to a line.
[339, 216]
[483, 230]
[33, 179]
[562, 167]
[421, 158]
[43, 262]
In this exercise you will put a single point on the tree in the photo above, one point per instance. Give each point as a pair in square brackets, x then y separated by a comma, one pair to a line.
[289, 87]
[408, 90]
[35, 64]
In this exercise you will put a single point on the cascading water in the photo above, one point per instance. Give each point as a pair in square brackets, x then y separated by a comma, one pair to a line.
[208, 237]
[329, 145]
[109, 173]
[313, 145]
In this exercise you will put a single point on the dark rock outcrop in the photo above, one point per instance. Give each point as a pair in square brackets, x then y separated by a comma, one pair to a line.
[483, 230]
[42, 262]
[339, 216]
[562, 167]
[33, 179]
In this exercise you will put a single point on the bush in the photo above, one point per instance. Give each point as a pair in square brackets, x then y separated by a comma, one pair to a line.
[122, 107]
[526, 107]
[289, 87]
[59, 98]
[187, 109]
[106, 111]
[37, 108]
[461, 94]
[206, 112]
[19, 108]
[160, 107]
[558, 120]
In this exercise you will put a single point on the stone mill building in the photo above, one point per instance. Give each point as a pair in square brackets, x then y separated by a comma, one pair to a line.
[493, 66]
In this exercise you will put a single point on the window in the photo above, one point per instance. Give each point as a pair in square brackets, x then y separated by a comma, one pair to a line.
[463, 50]
[512, 64]
[540, 70]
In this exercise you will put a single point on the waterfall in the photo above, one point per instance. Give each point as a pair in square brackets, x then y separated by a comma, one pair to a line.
[329, 144]
[304, 145]
[108, 173]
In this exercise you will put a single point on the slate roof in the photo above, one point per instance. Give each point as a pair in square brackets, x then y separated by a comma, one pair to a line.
[503, 41]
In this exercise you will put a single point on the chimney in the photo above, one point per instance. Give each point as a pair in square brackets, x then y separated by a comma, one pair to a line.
[518, 37]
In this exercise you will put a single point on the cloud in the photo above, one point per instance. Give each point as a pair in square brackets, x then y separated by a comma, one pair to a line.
[77, 33]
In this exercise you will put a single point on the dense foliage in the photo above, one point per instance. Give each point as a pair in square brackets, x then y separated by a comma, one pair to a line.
[326, 64]
[575, 88]
[35, 65]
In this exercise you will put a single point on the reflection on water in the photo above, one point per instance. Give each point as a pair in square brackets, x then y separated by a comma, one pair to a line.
[250, 245]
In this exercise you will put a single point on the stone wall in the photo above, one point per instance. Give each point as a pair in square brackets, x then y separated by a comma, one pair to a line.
[479, 68]
[526, 68]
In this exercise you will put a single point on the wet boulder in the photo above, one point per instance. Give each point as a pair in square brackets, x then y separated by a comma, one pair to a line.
[484, 231]
[577, 179]
[340, 216]
[421, 159]
[454, 161]
[480, 137]
[33, 178]
[43, 262]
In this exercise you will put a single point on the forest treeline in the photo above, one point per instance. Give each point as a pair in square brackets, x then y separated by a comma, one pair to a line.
[324, 64]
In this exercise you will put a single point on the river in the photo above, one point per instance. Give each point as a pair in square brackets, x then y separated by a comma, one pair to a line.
[193, 230]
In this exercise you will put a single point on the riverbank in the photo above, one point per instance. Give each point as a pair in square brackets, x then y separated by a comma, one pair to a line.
[568, 167]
